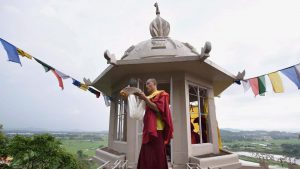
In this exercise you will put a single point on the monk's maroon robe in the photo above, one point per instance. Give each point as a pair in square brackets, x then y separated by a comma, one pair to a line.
[153, 151]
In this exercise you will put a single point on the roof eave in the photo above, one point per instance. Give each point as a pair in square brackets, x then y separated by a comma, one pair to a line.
[225, 84]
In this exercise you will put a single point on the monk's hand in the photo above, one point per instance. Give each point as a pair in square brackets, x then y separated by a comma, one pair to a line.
[141, 95]
[165, 142]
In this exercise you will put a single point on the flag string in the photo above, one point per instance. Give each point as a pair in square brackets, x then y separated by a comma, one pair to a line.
[13, 53]
[258, 83]
[272, 72]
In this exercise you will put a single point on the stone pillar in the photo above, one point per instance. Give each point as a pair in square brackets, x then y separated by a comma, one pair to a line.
[213, 121]
[179, 115]
[111, 130]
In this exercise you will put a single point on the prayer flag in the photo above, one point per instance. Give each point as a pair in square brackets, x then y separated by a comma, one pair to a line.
[237, 82]
[24, 54]
[276, 82]
[297, 67]
[246, 85]
[97, 93]
[262, 85]
[84, 87]
[80, 85]
[254, 85]
[292, 75]
[60, 82]
[11, 51]
[46, 67]
[62, 75]
[76, 83]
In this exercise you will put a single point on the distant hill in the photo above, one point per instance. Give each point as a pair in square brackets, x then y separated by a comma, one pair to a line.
[236, 135]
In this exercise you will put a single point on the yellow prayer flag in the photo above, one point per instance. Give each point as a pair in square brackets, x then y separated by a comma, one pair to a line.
[276, 82]
[84, 87]
[24, 54]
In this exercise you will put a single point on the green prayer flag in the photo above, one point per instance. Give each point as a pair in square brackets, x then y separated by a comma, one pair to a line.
[45, 66]
[262, 85]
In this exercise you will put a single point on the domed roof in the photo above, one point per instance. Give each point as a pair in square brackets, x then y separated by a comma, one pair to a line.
[160, 46]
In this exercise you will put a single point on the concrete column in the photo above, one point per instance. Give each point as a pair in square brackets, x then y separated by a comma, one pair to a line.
[213, 121]
[111, 124]
[179, 115]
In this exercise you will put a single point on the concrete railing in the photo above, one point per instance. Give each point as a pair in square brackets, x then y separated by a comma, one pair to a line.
[192, 166]
[118, 164]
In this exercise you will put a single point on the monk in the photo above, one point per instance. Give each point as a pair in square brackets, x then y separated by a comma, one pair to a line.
[158, 128]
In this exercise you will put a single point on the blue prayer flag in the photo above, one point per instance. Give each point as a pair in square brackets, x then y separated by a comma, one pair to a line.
[238, 82]
[76, 83]
[97, 93]
[11, 51]
[292, 75]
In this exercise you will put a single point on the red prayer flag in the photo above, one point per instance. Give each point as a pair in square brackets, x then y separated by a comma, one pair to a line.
[60, 82]
[254, 85]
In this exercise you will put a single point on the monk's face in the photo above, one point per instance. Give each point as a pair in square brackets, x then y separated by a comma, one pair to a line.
[151, 86]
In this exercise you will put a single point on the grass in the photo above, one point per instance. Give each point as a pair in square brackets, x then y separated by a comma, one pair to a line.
[88, 147]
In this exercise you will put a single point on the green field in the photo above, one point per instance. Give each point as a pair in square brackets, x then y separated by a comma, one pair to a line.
[272, 146]
[87, 146]
[266, 146]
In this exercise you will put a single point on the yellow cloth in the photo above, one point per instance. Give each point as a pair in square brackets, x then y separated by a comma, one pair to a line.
[194, 113]
[276, 82]
[220, 139]
[24, 54]
[160, 125]
[153, 94]
[205, 105]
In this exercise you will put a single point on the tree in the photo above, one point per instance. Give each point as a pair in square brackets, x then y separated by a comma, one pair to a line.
[83, 160]
[40, 152]
[3, 143]
[3, 147]
[291, 150]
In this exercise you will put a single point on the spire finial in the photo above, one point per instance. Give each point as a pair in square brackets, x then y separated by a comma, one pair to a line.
[157, 9]
[159, 27]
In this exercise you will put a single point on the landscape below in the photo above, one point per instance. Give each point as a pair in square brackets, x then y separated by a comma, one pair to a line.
[250, 145]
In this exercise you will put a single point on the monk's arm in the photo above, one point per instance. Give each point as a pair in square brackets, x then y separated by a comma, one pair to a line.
[151, 104]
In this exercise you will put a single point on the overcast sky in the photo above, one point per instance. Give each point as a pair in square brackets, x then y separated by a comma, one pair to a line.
[259, 36]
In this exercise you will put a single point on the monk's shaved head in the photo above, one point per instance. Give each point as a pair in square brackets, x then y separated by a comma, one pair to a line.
[151, 85]
[152, 80]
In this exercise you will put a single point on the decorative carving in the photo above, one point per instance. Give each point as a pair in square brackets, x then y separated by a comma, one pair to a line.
[159, 27]
[205, 50]
[158, 43]
[157, 8]
[126, 53]
[191, 48]
[87, 81]
[241, 75]
[111, 58]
